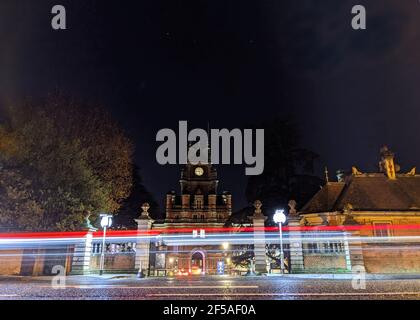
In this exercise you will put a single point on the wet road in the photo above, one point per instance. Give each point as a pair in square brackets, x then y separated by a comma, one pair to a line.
[107, 288]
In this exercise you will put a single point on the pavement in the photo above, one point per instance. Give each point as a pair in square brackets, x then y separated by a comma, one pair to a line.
[128, 287]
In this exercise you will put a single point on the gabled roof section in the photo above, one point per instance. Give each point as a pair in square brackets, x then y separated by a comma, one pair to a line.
[325, 199]
[368, 192]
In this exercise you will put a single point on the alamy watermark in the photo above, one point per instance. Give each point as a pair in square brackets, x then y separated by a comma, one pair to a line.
[358, 281]
[359, 19]
[199, 146]
[58, 21]
[59, 280]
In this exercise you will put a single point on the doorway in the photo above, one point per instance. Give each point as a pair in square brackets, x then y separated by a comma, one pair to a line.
[197, 263]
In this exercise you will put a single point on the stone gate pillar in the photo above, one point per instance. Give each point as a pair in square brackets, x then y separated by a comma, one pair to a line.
[144, 223]
[355, 252]
[82, 254]
[295, 236]
[258, 221]
[80, 264]
[353, 243]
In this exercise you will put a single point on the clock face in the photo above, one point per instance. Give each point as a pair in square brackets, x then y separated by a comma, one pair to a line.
[199, 171]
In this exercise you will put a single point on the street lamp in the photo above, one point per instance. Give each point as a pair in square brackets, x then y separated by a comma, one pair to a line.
[106, 222]
[225, 245]
[280, 218]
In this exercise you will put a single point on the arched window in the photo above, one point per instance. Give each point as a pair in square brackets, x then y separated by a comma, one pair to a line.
[199, 203]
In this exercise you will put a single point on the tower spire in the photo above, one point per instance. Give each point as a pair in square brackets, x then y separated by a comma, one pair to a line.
[208, 142]
[327, 179]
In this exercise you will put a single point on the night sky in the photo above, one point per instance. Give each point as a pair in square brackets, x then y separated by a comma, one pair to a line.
[230, 63]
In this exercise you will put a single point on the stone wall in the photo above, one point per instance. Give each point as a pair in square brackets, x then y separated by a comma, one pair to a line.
[391, 258]
[10, 262]
[324, 263]
[121, 262]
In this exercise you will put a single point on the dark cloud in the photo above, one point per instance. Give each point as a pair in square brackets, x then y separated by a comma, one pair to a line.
[316, 36]
[231, 63]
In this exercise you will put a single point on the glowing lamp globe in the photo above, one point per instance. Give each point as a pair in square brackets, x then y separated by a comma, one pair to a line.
[106, 221]
[279, 217]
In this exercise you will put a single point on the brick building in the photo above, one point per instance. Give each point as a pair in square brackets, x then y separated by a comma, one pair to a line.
[386, 207]
[199, 206]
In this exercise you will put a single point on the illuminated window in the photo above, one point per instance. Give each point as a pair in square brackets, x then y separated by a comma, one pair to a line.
[198, 203]
[323, 247]
[382, 229]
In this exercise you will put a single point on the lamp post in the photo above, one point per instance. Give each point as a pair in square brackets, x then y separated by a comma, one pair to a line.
[171, 265]
[226, 246]
[106, 222]
[280, 218]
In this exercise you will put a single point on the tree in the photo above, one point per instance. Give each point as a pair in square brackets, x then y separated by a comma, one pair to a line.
[288, 170]
[75, 155]
[288, 174]
[18, 208]
[131, 207]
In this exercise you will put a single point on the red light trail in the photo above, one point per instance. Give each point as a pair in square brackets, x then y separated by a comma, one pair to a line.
[157, 232]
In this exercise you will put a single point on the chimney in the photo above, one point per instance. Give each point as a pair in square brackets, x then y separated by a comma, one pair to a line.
[387, 165]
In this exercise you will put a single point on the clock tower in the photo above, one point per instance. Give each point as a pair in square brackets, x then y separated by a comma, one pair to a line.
[199, 179]
[199, 201]
[198, 207]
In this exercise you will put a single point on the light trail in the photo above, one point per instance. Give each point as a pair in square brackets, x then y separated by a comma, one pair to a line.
[218, 239]
[217, 236]
[157, 232]
[215, 239]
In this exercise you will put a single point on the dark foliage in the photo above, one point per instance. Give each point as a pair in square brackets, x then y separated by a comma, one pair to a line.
[288, 172]
[131, 207]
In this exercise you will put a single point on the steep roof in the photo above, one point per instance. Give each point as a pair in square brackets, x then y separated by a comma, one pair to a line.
[325, 199]
[368, 192]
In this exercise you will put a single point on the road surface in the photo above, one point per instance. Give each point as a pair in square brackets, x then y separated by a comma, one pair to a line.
[264, 288]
